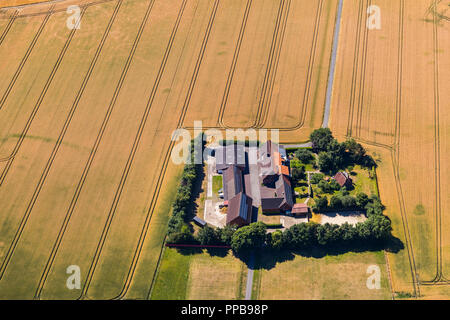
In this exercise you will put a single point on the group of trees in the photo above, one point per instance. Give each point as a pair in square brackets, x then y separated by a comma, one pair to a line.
[334, 155]
[376, 229]
[179, 230]
[344, 201]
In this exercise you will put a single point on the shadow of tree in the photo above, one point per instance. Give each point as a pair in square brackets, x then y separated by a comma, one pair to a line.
[267, 258]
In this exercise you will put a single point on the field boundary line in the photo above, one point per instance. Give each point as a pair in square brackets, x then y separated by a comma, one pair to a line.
[8, 26]
[86, 5]
[161, 175]
[69, 212]
[37, 189]
[157, 269]
[25, 57]
[135, 145]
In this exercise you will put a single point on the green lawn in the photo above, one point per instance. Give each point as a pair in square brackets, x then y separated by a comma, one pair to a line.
[217, 184]
[173, 275]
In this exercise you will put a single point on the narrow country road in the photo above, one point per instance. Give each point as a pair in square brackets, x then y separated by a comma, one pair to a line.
[326, 118]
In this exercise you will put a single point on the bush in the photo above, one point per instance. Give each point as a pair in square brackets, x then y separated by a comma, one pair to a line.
[316, 178]
[304, 155]
[209, 236]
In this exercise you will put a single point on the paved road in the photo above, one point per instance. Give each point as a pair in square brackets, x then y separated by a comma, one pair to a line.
[248, 290]
[326, 115]
[326, 118]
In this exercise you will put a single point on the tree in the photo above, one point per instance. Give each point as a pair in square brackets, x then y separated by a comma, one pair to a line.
[184, 236]
[327, 234]
[355, 152]
[295, 163]
[300, 235]
[326, 162]
[316, 178]
[379, 226]
[348, 201]
[348, 232]
[334, 185]
[320, 139]
[336, 202]
[362, 200]
[304, 155]
[298, 173]
[249, 237]
[321, 203]
[226, 234]
[275, 240]
[208, 236]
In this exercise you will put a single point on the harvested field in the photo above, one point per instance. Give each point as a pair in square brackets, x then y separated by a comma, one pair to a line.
[390, 92]
[330, 277]
[86, 117]
[196, 275]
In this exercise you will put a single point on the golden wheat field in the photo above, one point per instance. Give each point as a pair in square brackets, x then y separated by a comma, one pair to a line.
[87, 114]
[391, 92]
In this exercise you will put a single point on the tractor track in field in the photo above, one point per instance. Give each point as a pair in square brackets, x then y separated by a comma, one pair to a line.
[393, 149]
[269, 66]
[269, 79]
[24, 219]
[25, 57]
[8, 26]
[439, 278]
[237, 50]
[160, 177]
[80, 184]
[18, 8]
[261, 118]
[362, 80]
[309, 73]
[135, 144]
[355, 68]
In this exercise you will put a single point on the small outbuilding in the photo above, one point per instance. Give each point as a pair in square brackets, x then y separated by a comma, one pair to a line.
[199, 221]
[300, 209]
[343, 179]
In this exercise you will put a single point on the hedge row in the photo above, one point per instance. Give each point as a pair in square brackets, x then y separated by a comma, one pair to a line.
[179, 230]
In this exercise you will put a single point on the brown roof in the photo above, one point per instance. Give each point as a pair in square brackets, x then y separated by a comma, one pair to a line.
[300, 208]
[279, 196]
[239, 209]
[232, 182]
[342, 178]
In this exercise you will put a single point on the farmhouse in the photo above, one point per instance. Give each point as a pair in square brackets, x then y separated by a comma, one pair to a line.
[276, 189]
[343, 179]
